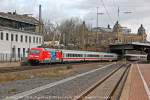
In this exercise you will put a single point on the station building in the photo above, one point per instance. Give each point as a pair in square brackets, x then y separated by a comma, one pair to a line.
[116, 35]
[18, 33]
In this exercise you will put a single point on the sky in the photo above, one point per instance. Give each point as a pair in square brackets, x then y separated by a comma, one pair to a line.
[59, 10]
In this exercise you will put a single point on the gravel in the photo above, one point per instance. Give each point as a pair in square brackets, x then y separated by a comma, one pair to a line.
[14, 87]
[69, 90]
[104, 90]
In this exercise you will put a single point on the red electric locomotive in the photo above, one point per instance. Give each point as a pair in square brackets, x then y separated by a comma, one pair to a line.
[44, 55]
[38, 55]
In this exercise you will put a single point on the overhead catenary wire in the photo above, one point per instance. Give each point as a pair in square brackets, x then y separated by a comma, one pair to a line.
[116, 7]
[110, 17]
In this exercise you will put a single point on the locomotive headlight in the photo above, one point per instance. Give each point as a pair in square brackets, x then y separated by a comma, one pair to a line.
[36, 56]
[31, 56]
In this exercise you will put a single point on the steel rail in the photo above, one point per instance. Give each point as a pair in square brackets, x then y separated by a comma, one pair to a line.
[93, 87]
[125, 74]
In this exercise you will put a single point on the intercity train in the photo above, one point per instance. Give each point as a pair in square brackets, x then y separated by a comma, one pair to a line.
[48, 55]
[136, 57]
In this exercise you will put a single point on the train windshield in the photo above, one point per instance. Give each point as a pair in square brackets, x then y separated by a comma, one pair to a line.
[35, 52]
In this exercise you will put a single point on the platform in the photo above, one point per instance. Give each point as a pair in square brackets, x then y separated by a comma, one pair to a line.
[137, 86]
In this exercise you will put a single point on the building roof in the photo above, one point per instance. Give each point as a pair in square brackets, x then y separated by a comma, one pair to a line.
[20, 18]
[138, 44]
[17, 30]
[141, 44]
[102, 29]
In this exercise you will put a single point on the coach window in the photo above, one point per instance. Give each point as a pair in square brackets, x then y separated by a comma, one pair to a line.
[69, 55]
[7, 36]
[16, 37]
[26, 38]
[21, 38]
[2, 35]
[76, 55]
[12, 37]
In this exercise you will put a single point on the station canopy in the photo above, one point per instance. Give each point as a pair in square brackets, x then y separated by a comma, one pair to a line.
[121, 48]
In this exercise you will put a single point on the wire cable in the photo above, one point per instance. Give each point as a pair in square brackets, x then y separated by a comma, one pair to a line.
[110, 17]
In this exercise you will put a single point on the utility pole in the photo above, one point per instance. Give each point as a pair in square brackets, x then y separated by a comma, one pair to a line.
[126, 12]
[118, 13]
[40, 18]
[83, 34]
[97, 22]
[97, 18]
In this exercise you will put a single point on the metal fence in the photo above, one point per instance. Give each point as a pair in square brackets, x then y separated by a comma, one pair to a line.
[10, 57]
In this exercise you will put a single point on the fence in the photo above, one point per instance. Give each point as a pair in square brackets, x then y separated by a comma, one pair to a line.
[10, 57]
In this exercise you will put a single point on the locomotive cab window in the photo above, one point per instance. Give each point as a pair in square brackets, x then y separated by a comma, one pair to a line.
[35, 52]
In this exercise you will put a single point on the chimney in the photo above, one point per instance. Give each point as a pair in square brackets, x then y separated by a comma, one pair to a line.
[40, 13]
[40, 19]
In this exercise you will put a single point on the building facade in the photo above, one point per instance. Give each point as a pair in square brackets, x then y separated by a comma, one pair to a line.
[103, 37]
[17, 35]
[121, 37]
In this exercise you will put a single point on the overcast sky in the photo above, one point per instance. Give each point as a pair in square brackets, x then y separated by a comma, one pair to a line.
[58, 10]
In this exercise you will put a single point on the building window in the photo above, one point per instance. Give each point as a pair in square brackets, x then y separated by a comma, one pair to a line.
[13, 52]
[36, 39]
[33, 39]
[29, 39]
[26, 38]
[24, 52]
[19, 53]
[2, 35]
[16, 37]
[21, 38]
[12, 37]
[40, 40]
[7, 36]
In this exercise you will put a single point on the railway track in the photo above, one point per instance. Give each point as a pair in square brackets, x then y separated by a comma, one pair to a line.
[109, 87]
[24, 68]
[67, 88]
